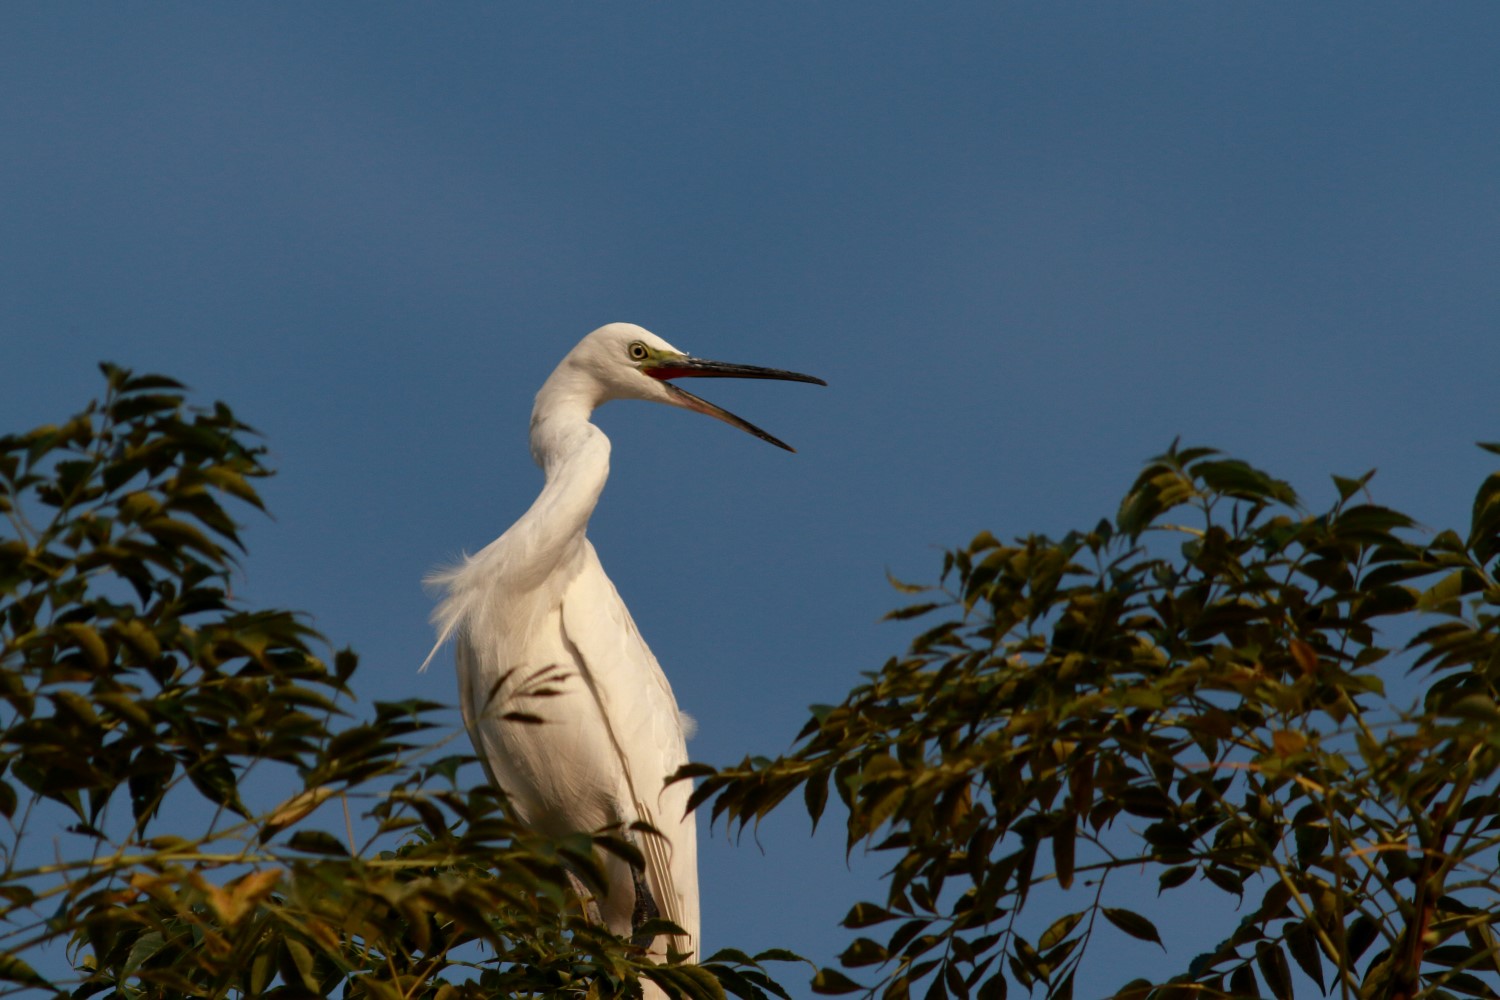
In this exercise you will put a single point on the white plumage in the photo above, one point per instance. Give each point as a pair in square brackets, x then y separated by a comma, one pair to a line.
[540, 632]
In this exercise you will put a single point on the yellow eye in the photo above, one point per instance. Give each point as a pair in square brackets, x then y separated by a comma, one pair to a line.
[639, 351]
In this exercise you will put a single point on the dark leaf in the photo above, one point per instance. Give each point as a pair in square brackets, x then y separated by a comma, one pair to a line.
[15, 970]
[1062, 855]
[316, 842]
[1302, 942]
[1362, 932]
[993, 988]
[1173, 877]
[1242, 982]
[833, 982]
[1133, 924]
[866, 915]
[1274, 969]
[863, 951]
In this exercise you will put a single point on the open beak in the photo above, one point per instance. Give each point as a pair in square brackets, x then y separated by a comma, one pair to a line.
[664, 369]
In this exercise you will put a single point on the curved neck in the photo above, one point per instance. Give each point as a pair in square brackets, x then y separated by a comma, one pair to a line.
[574, 456]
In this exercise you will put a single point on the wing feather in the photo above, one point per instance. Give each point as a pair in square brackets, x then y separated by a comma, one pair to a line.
[648, 733]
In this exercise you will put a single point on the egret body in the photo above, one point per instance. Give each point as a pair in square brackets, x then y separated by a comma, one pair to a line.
[534, 612]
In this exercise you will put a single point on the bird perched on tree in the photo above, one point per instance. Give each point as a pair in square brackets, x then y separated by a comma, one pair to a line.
[569, 711]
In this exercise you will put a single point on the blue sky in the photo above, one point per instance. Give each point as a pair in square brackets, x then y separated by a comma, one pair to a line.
[1026, 244]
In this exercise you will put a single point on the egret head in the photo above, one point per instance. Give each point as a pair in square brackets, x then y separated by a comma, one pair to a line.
[625, 361]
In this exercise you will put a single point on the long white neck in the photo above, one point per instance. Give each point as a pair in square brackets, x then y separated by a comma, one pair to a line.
[574, 457]
[540, 552]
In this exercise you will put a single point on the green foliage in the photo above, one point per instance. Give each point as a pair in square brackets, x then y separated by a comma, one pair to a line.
[136, 699]
[1193, 693]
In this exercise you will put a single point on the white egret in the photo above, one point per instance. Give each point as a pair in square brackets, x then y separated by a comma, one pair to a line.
[541, 634]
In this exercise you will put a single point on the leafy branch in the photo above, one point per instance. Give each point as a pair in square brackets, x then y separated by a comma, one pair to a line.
[139, 707]
[1195, 688]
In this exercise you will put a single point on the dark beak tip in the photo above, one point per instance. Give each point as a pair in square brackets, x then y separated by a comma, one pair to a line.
[701, 367]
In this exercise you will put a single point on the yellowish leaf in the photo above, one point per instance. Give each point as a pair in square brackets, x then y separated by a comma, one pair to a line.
[297, 807]
[241, 896]
[1306, 657]
[323, 933]
[1288, 742]
[89, 642]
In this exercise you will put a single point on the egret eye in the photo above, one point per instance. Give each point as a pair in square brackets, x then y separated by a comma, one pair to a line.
[639, 352]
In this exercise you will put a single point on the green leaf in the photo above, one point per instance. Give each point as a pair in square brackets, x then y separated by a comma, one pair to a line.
[1475, 707]
[298, 967]
[142, 950]
[89, 641]
[1369, 523]
[693, 981]
[1348, 487]
[1484, 525]
[1235, 478]
[1058, 931]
